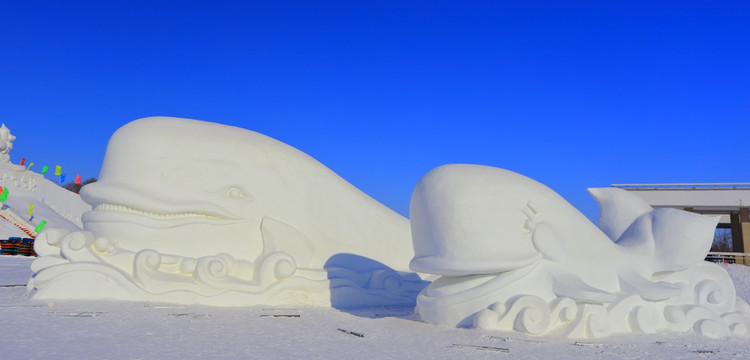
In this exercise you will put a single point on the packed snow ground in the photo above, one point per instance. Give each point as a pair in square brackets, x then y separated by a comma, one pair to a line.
[122, 330]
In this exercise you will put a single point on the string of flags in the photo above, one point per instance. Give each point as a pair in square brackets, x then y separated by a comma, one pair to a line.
[58, 172]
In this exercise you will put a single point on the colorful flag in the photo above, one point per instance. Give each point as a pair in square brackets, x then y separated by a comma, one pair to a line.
[44, 169]
[23, 160]
[31, 209]
[78, 179]
[41, 226]
[4, 195]
[62, 178]
[58, 170]
[30, 165]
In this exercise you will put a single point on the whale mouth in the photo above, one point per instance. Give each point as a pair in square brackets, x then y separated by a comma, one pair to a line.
[166, 208]
[117, 213]
[159, 216]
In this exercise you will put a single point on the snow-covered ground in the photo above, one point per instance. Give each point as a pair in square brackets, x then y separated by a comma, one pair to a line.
[121, 330]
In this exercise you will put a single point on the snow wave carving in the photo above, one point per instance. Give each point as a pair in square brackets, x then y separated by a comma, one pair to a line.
[513, 255]
[187, 211]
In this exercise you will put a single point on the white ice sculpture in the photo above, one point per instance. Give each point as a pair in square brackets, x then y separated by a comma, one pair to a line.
[187, 211]
[6, 143]
[514, 255]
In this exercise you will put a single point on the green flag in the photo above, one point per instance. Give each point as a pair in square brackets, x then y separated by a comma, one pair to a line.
[44, 169]
[41, 226]
[4, 195]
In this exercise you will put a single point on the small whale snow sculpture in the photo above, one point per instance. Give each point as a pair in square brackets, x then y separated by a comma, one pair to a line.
[188, 211]
[514, 255]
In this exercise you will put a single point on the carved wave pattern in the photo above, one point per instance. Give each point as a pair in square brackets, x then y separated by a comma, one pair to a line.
[534, 316]
[68, 260]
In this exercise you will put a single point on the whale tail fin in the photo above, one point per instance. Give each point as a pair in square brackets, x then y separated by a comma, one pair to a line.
[619, 209]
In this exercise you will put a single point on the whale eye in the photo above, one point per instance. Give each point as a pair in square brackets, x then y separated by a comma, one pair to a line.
[235, 192]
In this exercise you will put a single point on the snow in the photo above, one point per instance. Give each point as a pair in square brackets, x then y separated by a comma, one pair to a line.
[133, 330]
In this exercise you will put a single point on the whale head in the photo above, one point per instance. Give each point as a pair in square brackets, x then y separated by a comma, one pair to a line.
[167, 179]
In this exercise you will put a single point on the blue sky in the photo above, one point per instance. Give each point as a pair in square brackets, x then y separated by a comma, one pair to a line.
[573, 95]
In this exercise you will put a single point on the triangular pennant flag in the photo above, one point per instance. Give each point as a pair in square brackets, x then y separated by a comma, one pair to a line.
[31, 209]
[41, 226]
[23, 160]
[58, 170]
[78, 179]
[4, 195]
[44, 169]
[62, 178]
[30, 165]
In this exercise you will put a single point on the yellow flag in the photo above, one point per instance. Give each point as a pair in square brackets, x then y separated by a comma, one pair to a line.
[31, 209]
[58, 170]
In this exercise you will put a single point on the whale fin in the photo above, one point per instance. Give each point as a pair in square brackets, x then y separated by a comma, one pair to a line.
[280, 236]
[572, 286]
[632, 282]
[619, 209]
[682, 238]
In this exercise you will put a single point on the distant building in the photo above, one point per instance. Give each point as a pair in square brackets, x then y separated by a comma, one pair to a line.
[729, 200]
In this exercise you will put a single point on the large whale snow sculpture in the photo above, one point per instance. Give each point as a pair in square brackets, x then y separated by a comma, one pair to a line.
[514, 255]
[195, 212]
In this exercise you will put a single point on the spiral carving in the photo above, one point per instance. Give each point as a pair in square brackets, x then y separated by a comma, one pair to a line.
[713, 294]
[147, 260]
[211, 270]
[563, 310]
[75, 247]
[644, 319]
[277, 266]
[533, 316]
[527, 313]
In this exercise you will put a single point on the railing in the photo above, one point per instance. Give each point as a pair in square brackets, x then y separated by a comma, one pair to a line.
[685, 186]
[729, 258]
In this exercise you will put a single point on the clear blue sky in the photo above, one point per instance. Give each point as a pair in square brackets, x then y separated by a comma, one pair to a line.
[575, 96]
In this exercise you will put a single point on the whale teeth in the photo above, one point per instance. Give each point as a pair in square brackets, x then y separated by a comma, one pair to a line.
[160, 216]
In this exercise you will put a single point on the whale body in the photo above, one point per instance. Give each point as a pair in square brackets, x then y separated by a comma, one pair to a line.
[514, 255]
[192, 188]
[195, 212]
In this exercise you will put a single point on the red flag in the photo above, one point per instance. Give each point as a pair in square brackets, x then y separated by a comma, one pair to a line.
[78, 179]
[23, 160]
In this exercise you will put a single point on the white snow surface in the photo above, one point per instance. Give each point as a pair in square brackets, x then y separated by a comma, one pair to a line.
[133, 330]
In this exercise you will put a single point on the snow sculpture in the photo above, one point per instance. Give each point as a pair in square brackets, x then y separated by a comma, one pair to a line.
[514, 255]
[6, 143]
[187, 211]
